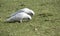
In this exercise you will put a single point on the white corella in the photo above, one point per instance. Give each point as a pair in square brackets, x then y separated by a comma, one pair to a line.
[26, 10]
[19, 17]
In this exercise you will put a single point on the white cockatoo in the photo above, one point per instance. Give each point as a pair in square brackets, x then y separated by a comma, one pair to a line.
[19, 17]
[26, 10]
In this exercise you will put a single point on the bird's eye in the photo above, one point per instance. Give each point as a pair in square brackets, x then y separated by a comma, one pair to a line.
[28, 18]
[31, 14]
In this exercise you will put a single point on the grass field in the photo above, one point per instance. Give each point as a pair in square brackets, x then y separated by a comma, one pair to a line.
[45, 22]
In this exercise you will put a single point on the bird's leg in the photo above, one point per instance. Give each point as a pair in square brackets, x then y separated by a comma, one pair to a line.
[20, 21]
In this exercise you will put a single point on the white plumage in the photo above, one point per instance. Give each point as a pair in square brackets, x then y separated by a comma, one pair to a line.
[26, 10]
[19, 17]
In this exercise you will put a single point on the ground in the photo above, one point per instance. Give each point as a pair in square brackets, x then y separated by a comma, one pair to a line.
[45, 22]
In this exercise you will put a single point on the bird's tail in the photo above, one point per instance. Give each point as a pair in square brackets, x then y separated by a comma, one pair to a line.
[8, 20]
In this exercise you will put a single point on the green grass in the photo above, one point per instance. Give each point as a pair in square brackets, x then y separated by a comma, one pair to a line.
[45, 22]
